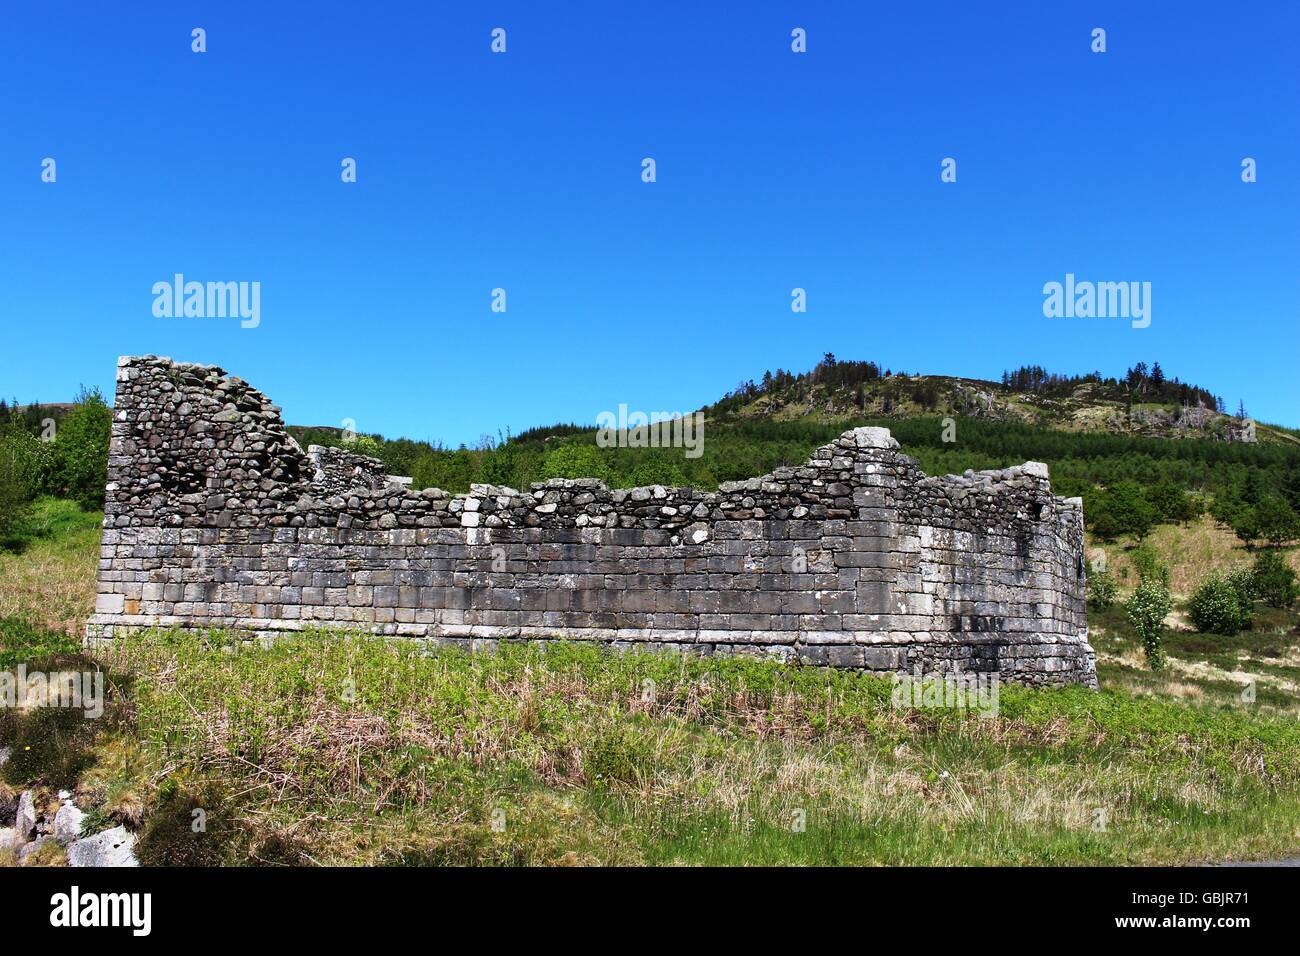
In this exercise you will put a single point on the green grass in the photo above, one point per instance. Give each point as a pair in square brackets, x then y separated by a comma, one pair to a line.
[328, 749]
[52, 519]
[47, 575]
[20, 643]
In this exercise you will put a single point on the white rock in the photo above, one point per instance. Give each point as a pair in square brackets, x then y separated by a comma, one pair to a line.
[25, 821]
[868, 437]
[8, 838]
[4, 755]
[115, 847]
[67, 823]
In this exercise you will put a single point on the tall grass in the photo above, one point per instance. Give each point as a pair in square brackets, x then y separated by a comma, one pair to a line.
[359, 750]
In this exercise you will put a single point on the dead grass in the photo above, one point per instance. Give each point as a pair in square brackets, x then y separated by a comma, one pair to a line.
[1192, 551]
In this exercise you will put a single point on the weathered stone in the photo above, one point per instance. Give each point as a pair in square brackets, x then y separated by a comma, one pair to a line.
[25, 820]
[67, 823]
[855, 558]
[115, 847]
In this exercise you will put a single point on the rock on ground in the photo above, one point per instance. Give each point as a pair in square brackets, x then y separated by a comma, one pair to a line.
[115, 847]
[67, 823]
[25, 822]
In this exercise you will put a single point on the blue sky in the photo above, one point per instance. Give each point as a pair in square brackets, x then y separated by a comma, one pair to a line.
[522, 171]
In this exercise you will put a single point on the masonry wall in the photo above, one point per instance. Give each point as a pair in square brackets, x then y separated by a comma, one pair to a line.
[214, 517]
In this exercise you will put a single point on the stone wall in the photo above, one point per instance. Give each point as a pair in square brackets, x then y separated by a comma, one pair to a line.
[214, 517]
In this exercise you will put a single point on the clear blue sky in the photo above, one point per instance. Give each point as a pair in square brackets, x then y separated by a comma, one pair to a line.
[523, 171]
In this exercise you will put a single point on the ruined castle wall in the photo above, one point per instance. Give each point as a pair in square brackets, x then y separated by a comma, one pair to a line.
[214, 517]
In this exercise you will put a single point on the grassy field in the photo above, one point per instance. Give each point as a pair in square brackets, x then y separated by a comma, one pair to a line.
[47, 576]
[334, 750]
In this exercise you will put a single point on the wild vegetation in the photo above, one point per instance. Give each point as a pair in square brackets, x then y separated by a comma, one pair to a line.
[325, 749]
[335, 749]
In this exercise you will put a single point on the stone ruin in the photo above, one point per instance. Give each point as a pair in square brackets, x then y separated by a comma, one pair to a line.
[215, 518]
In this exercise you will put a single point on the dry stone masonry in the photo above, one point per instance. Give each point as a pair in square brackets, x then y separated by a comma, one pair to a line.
[214, 517]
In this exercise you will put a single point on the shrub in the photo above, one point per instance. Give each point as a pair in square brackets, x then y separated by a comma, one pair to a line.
[1219, 606]
[1102, 590]
[81, 451]
[1149, 566]
[1147, 608]
[1275, 581]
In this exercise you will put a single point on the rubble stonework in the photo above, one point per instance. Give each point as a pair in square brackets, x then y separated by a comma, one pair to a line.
[214, 517]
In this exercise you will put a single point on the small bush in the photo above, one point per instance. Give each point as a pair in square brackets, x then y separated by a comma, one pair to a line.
[1102, 590]
[1219, 606]
[1149, 566]
[1275, 581]
[1147, 608]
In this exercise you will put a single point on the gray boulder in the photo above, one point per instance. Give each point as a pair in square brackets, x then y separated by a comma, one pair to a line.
[67, 823]
[25, 822]
[115, 847]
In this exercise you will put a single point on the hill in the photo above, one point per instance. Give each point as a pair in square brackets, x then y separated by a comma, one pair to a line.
[1144, 402]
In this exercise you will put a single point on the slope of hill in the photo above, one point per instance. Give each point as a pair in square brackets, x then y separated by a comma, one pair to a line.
[1141, 403]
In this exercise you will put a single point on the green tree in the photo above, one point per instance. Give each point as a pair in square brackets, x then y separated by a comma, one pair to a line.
[1277, 521]
[1148, 565]
[574, 461]
[656, 471]
[1122, 509]
[1102, 590]
[81, 451]
[1275, 580]
[1172, 503]
[13, 495]
[1244, 521]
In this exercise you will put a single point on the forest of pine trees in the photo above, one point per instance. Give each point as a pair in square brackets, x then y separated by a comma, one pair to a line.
[1140, 383]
